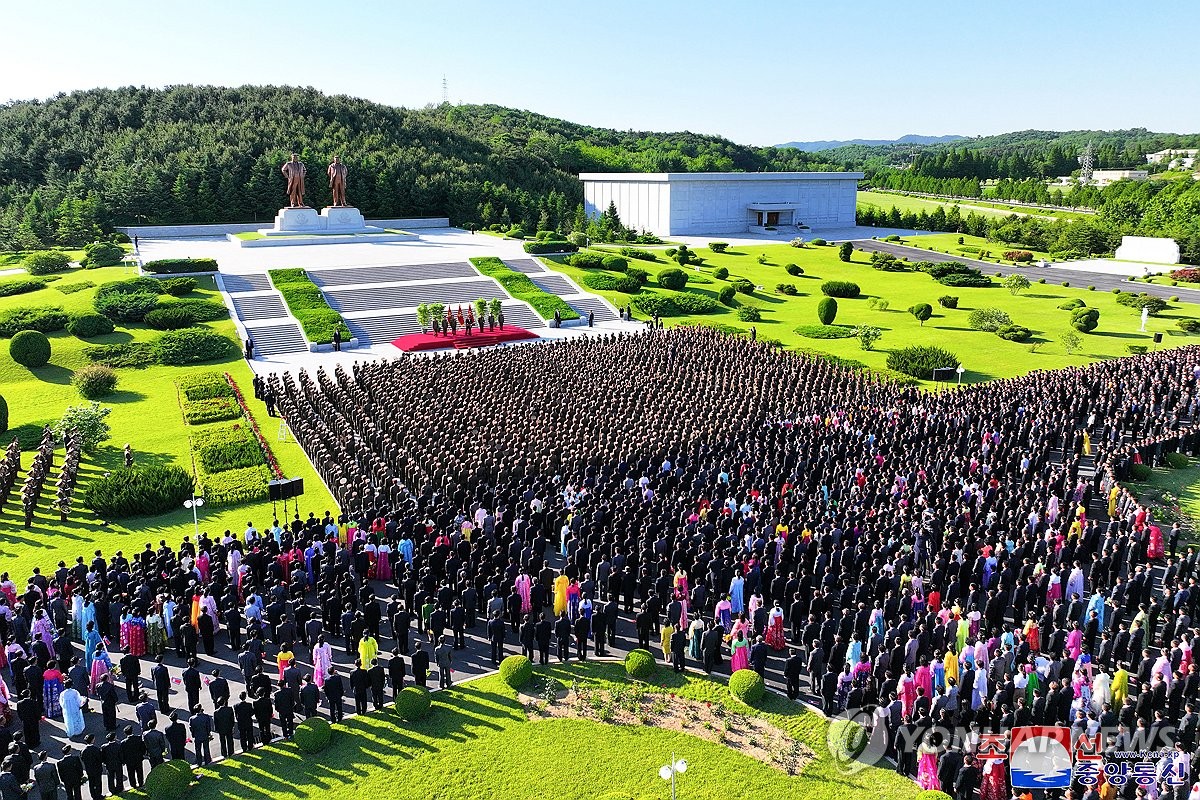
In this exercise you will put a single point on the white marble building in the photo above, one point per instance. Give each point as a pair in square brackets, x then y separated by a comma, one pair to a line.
[702, 203]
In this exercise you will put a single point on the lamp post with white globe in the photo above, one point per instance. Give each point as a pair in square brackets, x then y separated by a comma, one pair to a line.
[195, 504]
[668, 772]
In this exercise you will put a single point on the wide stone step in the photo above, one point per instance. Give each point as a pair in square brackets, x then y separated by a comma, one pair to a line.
[526, 265]
[273, 339]
[245, 283]
[256, 307]
[554, 284]
[352, 276]
[593, 304]
[412, 295]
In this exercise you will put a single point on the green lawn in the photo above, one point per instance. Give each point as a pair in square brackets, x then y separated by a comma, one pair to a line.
[11, 258]
[948, 243]
[1171, 489]
[146, 414]
[478, 742]
[885, 201]
[983, 354]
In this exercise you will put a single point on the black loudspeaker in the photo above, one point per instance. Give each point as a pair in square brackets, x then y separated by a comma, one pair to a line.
[293, 488]
[1158, 338]
[944, 374]
[275, 490]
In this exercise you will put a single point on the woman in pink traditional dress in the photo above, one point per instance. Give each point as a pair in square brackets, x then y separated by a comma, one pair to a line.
[383, 565]
[322, 656]
[1154, 547]
[524, 587]
[44, 630]
[724, 614]
[775, 636]
[927, 765]
[101, 666]
[739, 650]
[573, 597]
[133, 635]
[908, 692]
[993, 783]
[741, 627]
[924, 679]
[1075, 641]
[202, 566]
[1054, 590]
[682, 591]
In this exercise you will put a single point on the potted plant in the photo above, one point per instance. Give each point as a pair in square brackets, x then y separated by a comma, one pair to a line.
[423, 317]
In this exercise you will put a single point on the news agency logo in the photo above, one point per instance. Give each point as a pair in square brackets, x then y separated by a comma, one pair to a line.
[1040, 757]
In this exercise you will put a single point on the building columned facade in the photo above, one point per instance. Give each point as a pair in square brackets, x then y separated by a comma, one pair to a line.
[703, 203]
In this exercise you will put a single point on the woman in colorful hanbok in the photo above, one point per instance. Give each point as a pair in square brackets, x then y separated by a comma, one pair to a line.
[286, 655]
[908, 692]
[1075, 641]
[1101, 690]
[43, 629]
[524, 587]
[695, 639]
[77, 616]
[91, 641]
[924, 679]
[993, 783]
[737, 606]
[680, 584]
[322, 655]
[1119, 688]
[775, 636]
[739, 652]
[52, 687]
[133, 634]
[573, 597]
[101, 666]
[383, 566]
[560, 593]
[72, 709]
[668, 631]
[725, 614]
[927, 765]
[1154, 546]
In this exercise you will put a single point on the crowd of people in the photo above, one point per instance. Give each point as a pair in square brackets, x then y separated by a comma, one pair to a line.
[959, 562]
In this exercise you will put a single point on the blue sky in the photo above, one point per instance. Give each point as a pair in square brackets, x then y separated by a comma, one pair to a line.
[794, 71]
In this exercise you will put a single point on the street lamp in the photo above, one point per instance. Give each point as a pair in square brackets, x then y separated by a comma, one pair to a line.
[195, 504]
[961, 369]
[668, 772]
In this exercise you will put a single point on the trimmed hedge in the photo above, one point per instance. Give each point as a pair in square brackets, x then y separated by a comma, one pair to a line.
[1085, 320]
[1014, 333]
[177, 287]
[615, 263]
[129, 355]
[542, 247]
[412, 703]
[516, 671]
[748, 686]
[169, 319]
[672, 278]
[199, 310]
[215, 409]
[45, 319]
[640, 664]
[522, 288]
[46, 262]
[611, 283]
[21, 286]
[102, 254]
[313, 735]
[1176, 460]
[973, 279]
[72, 288]
[748, 313]
[676, 304]
[225, 448]
[175, 266]
[138, 491]
[584, 260]
[94, 381]
[236, 486]
[840, 289]
[1188, 325]
[87, 326]
[948, 301]
[126, 307]
[727, 295]
[169, 780]
[30, 349]
[933, 794]
[920, 361]
[827, 309]
[825, 331]
[308, 306]
[191, 346]
[204, 386]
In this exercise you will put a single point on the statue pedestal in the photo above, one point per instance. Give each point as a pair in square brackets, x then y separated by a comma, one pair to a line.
[334, 225]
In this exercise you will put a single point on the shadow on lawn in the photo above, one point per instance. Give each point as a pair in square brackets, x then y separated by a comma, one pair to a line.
[52, 373]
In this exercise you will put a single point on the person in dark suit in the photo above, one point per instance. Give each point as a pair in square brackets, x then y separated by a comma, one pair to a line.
[562, 637]
[758, 656]
[710, 646]
[679, 641]
[644, 621]
[162, 685]
[156, 745]
[191, 683]
[791, 672]
[114, 765]
[71, 772]
[46, 778]
[224, 721]
[378, 680]
[263, 709]
[285, 709]
[131, 671]
[93, 766]
[133, 753]
[310, 698]
[496, 631]
[528, 637]
[583, 631]
[420, 665]
[201, 725]
[396, 672]
[600, 629]
[335, 692]
[29, 711]
[360, 685]
[243, 712]
[543, 630]
[967, 780]
[949, 766]
[176, 734]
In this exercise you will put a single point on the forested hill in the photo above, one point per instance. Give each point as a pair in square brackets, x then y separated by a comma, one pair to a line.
[209, 154]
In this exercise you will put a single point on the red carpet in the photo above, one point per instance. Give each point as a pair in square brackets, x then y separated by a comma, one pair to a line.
[414, 342]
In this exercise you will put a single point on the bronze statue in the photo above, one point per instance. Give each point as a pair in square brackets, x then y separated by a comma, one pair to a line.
[294, 171]
[337, 181]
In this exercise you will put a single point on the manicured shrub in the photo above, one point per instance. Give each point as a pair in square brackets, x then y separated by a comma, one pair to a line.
[552, 246]
[825, 331]
[720, 273]
[1140, 472]
[516, 671]
[922, 312]
[1018, 255]
[727, 294]
[634, 252]
[818, 242]
[742, 285]
[672, 278]
[792, 269]
[718, 247]
[102, 254]
[749, 313]
[126, 307]
[638, 274]
[1142, 300]
[198, 309]
[577, 238]
[933, 794]
[886, 262]
[692, 303]
[1189, 325]
[988, 319]
[948, 301]
[216, 409]
[1066, 283]
[72, 288]
[237, 486]
[226, 447]
[169, 781]
[21, 286]
[203, 386]
[87, 326]
[827, 309]
[1072, 304]
[920, 361]
[172, 266]
[139, 491]
[1187, 275]
[42, 318]
[515, 232]
[1014, 333]
[611, 283]
[94, 381]
[840, 289]
[1173, 298]
[1085, 320]
[786, 288]
[974, 279]
[46, 262]
[313, 735]
[128, 355]
[1176, 460]
[586, 260]
[845, 250]
[169, 319]
[412, 703]
[30, 349]
[640, 664]
[177, 287]
[747, 685]
[1091, 288]
[191, 346]
[895, 237]
[614, 263]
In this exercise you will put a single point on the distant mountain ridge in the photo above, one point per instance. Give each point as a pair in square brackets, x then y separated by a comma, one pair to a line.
[830, 144]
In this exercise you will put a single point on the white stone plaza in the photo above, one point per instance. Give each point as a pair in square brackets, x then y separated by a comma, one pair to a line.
[714, 203]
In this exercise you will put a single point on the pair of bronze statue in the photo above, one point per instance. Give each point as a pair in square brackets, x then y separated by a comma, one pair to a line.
[294, 171]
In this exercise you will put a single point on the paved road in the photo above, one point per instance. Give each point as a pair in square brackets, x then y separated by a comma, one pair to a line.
[1056, 275]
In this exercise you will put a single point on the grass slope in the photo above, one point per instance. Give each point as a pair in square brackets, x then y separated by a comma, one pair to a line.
[477, 742]
[520, 287]
[146, 414]
[988, 208]
[985, 355]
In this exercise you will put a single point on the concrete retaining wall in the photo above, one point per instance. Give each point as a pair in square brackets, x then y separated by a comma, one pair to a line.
[195, 231]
